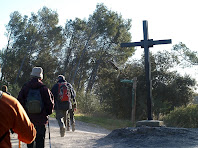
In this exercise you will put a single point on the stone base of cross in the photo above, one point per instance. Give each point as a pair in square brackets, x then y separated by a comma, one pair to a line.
[150, 123]
[146, 43]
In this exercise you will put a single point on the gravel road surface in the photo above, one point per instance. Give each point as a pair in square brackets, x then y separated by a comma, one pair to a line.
[85, 136]
[92, 136]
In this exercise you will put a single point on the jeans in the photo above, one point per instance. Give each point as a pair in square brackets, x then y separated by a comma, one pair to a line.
[39, 142]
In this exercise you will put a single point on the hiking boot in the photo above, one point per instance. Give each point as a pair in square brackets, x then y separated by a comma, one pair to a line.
[73, 127]
[62, 131]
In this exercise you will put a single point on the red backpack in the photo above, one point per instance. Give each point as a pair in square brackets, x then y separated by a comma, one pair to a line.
[63, 91]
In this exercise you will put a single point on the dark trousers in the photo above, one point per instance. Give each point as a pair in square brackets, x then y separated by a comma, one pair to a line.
[61, 117]
[70, 113]
[39, 142]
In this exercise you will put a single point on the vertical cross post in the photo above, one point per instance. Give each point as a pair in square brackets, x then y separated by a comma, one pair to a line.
[147, 70]
[146, 43]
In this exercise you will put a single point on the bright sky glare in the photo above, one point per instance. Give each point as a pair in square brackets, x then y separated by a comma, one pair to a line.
[168, 19]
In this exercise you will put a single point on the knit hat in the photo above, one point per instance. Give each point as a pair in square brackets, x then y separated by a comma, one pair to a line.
[61, 77]
[37, 72]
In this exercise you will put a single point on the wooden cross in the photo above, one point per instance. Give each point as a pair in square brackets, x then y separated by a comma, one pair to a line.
[146, 43]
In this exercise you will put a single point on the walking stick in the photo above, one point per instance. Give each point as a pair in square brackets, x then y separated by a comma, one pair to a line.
[19, 144]
[49, 134]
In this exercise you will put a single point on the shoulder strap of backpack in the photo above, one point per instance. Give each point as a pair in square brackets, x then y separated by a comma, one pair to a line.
[36, 88]
[2, 137]
[61, 84]
[65, 83]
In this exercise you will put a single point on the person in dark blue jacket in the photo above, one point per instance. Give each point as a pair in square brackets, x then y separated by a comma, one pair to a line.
[61, 107]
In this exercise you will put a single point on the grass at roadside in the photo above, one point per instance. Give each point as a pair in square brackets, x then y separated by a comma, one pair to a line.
[104, 122]
[53, 115]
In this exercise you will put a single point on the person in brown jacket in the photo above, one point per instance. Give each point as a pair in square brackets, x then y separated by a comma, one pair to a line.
[47, 100]
[13, 115]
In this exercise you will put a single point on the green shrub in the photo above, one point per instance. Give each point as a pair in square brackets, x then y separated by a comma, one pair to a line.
[186, 117]
[87, 103]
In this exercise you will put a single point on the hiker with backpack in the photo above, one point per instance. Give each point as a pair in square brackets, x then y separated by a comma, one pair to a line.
[13, 116]
[63, 93]
[38, 102]
[70, 112]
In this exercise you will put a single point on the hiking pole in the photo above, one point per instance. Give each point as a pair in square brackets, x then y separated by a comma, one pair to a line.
[49, 134]
[19, 144]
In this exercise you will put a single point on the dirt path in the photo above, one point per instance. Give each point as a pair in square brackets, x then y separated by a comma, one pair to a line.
[85, 136]
[92, 136]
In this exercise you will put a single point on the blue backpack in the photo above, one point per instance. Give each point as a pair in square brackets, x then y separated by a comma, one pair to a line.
[34, 102]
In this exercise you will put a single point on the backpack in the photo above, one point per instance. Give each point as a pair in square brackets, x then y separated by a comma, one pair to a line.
[34, 102]
[64, 91]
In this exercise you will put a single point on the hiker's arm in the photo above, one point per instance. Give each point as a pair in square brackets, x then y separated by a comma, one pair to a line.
[21, 97]
[24, 128]
[72, 91]
[22, 124]
[48, 100]
[73, 95]
[54, 91]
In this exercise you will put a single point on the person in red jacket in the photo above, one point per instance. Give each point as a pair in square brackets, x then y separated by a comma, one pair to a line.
[13, 116]
[38, 119]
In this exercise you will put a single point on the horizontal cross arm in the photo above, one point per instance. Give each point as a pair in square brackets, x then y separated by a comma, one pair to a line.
[156, 42]
[149, 42]
[131, 44]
